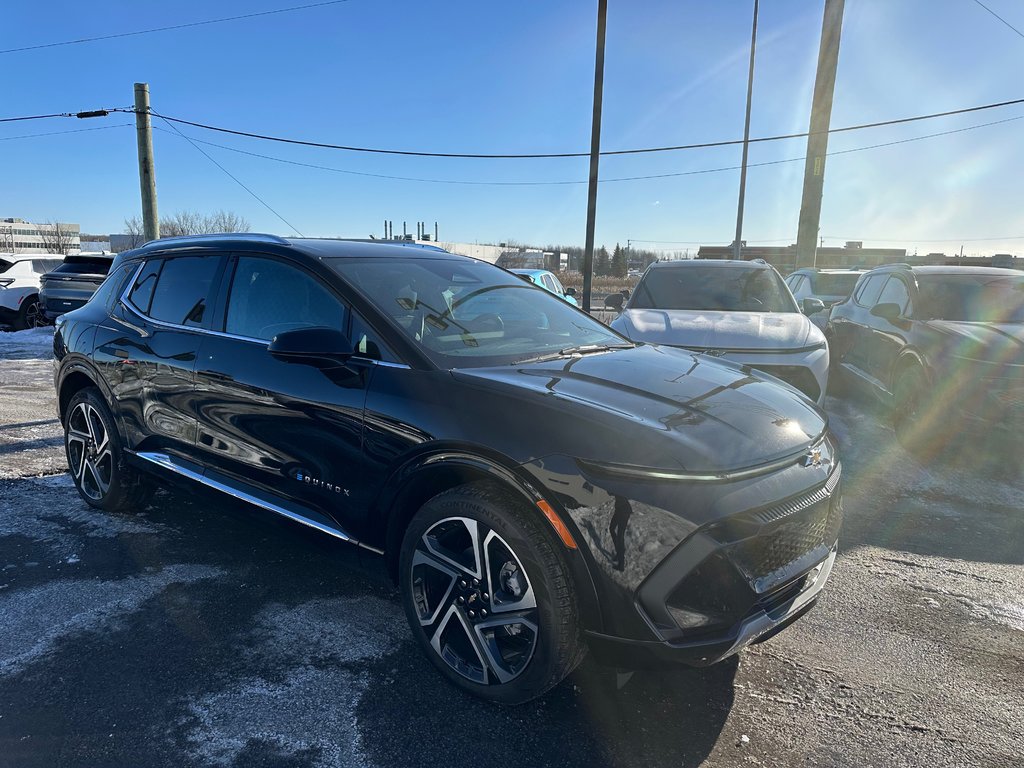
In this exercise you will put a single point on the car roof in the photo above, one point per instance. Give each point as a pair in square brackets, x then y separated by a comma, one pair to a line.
[532, 272]
[724, 263]
[949, 270]
[836, 271]
[324, 248]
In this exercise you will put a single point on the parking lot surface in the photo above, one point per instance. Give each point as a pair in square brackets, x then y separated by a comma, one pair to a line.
[204, 632]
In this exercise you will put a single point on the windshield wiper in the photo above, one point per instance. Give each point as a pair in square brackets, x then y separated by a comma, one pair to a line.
[582, 349]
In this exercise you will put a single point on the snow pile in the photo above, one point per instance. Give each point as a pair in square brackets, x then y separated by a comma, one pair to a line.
[35, 342]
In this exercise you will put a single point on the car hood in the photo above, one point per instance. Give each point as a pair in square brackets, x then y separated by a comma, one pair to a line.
[990, 342]
[719, 330]
[654, 407]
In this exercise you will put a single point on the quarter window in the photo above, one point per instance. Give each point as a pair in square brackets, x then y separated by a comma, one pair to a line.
[142, 292]
[367, 343]
[269, 297]
[183, 290]
[549, 283]
[869, 290]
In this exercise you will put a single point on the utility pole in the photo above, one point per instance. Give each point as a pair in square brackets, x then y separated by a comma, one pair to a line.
[736, 246]
[147, 171]
[595, 155]
[817, 141]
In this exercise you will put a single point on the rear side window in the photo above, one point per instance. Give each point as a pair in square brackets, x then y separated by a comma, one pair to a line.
[895, 292]
[269, 297]
[549, 283]
[183, 290]
[869, 290]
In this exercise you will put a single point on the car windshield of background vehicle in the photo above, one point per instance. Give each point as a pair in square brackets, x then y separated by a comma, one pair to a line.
[834, 285]
[721, 289]
[470, 315]
[972, 298]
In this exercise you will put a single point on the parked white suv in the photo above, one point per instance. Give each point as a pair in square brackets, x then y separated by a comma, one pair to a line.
[735, 310]
[19, 287]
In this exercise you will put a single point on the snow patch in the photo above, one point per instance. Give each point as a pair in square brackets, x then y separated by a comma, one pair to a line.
[35, 342]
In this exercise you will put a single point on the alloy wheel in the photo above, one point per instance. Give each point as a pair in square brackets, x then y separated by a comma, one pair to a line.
[89, 451]
[474, 601]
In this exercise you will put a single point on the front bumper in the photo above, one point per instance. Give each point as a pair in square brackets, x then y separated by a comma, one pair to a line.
[805, 370]
[759, 626]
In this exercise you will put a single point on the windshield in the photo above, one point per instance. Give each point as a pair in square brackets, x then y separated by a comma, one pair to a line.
[469, 314]
[834, 285]
[971, 298]
[713, 288]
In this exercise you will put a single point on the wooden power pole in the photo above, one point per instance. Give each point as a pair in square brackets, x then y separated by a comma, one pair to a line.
[147, 172]
[595, 155]
[737, 244]
[817, 141]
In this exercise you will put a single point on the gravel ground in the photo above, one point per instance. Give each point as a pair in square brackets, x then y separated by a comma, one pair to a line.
[202, 632]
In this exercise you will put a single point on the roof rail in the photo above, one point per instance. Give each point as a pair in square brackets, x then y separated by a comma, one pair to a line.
[897, 265]
[256, 237]
[759, 261]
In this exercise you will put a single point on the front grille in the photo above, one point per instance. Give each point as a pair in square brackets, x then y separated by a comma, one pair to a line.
[793, 537]
[797, 376]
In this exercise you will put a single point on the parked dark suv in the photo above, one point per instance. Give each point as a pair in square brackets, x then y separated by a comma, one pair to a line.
[945, 345]
[71, 284]
[537, 483]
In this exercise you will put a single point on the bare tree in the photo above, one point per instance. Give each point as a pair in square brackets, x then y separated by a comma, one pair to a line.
[7, 239]
[195, 223]
[136, 232]
[57, 237]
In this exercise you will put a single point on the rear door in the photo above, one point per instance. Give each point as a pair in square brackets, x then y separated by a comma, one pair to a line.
[853, 325]
[147, 349]
[286, 429]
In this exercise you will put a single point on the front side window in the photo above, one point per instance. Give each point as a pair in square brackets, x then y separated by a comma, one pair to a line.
[269, 297]
[183, 290]
[466, 314]
[713, 288]
[895, 292]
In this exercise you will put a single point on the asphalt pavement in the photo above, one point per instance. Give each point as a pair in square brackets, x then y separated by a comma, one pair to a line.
[202, 632]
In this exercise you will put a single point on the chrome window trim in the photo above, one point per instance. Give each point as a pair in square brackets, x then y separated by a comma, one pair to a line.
[123, 300]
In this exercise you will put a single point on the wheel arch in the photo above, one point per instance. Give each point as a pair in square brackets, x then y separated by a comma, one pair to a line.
[909, 358]
[73, 379]
[426, 476]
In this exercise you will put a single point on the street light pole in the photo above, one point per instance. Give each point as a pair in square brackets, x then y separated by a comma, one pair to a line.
[736, 247]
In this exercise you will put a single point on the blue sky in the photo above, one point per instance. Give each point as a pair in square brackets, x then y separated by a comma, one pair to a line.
[463, 76]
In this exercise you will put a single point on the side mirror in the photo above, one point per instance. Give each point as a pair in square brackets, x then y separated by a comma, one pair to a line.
[889, 311]
[812, 305]
[570, 291]
[312, 346]
[614, 301]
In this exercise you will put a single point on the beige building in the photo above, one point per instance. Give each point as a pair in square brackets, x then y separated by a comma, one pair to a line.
[20, 236]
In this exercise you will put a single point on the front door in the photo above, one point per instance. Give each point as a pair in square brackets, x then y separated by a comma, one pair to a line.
[289, 429]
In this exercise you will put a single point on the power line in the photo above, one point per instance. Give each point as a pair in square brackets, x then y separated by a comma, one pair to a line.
[173, 26]
[547, 155]
[577, 181]
[259, 199]
[34, 117]
[1019, 33]
[60, 133]
[932, 240]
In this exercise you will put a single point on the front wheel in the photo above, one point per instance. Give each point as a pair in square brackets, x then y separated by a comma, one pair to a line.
[488, 595]
[30, 315]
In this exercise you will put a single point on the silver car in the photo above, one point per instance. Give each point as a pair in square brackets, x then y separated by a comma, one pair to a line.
[736, 310]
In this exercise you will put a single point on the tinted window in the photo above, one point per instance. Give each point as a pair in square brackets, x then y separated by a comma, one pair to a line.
[971, 298]
[142, 291]
[269, 297]
[869, 290]
[549, 283]
[834, 285]
[42, 266]
[84, 267]
[895, 292]
[713, 288]
[183, 290]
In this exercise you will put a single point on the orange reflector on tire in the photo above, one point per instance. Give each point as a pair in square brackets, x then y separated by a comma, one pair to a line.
[557, 524]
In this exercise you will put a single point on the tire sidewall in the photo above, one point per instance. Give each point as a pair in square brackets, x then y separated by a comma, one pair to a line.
[114, 497]
[507, 522]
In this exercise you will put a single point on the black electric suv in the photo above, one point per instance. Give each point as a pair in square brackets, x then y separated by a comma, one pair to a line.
[538, 484]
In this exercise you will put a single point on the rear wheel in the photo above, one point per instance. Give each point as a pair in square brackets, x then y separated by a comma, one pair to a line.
[488, 595]
[96, 459]
[30, 314]
[912, 421]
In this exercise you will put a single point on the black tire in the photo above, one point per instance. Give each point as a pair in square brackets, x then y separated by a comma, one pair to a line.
[523, 637]
[96, 460]
[29, 316]
[911, 419]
